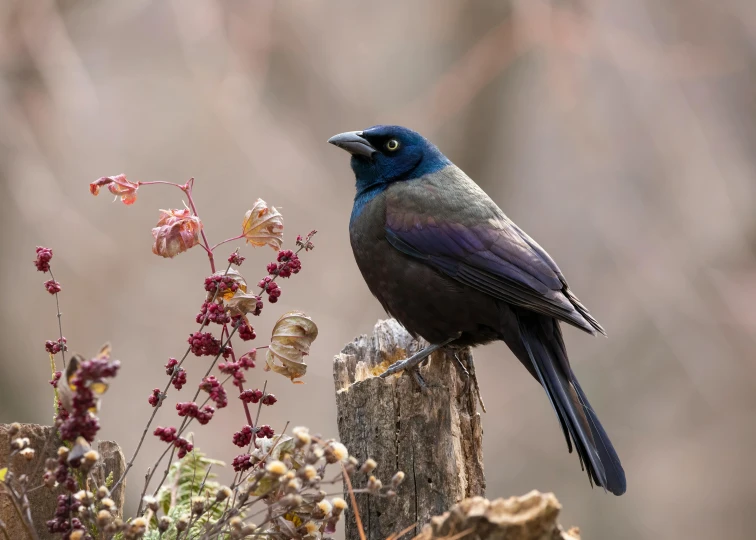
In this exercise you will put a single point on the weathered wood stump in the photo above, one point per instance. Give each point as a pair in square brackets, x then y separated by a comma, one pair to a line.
[434, 436]
[42, 502]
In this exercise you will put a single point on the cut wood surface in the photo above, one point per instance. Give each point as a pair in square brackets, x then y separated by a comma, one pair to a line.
[433, 436]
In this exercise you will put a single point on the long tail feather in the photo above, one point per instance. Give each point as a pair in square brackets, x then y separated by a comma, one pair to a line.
[543, 342]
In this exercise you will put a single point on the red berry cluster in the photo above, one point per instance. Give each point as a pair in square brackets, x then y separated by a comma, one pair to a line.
[265, 431]
[54, 347]
[222, 284]
[212, 386]
[79, 421]
[245, 330]
[212, 312]
[63, 522]
[204, 344]
[247, 360]
[242, 462]
[251, 396]
[179, 379]
[169, 435]
[192, 410]
[271, 287]
[244, 436]
[154, 398]
[288, 264]
[236, 259]
[55, 379]
[52, 286]
[42, 262]
[234, 369]
[166, 434]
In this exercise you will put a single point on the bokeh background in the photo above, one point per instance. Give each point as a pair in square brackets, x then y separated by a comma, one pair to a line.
[619, 134]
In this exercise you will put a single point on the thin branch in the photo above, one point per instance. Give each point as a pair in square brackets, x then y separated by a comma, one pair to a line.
[60, 324]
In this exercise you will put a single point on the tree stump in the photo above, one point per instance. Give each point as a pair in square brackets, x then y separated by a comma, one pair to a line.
[42, 502]
[434, 436]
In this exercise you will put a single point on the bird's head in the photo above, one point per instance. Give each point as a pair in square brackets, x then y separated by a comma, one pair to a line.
[385, 154]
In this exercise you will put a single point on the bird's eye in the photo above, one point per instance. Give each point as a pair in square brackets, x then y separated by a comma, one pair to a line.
[392, 145]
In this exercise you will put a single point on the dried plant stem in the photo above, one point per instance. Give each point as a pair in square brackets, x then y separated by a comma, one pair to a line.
[60, 324]
[164, 394]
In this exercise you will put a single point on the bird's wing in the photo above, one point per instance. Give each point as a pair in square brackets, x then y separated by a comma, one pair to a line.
[447, 221]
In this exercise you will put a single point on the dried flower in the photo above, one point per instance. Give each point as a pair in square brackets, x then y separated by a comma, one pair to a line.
[27, 453]
[103, 518]
[223, 493]
[118, 185]
[369, 466]
[164, 523]
[235, 258]
[154, 398]
[276, 468]
[397, 479]
[292, 336]
[176, 232]
[263, 225]
[335, 451]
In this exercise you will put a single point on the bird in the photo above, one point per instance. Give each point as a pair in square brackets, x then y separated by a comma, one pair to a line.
[446, 262]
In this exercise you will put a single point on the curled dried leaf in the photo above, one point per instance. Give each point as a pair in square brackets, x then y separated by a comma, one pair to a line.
[263, 225]
[176, 231]
[118, 185]
[242, 304]
[292, 336]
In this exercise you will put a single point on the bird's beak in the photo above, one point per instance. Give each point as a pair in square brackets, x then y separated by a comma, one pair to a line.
[354, 143]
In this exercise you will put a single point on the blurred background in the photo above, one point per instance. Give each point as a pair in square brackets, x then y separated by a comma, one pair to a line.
[620, 135]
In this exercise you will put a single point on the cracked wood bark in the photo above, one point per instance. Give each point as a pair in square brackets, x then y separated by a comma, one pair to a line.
[435, 437]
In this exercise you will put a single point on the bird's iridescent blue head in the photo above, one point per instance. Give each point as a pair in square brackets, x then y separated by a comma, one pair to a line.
[382, 155]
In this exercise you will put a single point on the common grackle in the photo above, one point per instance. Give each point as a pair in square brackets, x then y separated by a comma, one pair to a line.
[445, 261]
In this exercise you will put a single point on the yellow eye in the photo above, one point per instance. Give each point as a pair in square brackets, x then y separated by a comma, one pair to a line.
[392, 145]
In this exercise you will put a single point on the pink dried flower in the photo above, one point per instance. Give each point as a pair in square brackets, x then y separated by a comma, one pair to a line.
[176, 232]
[212, 312]
[247, 360]
[118, 185]
[212, 386]
[242, 462]
[55, 379]
[269, 399]
[265, 431]
[184, 446]
[54, 347]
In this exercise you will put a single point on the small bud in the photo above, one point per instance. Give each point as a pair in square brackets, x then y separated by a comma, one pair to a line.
[138, 526]
[374, 484]
[77, 534]
[182, 523]
[150, 502]
[308, 472]
[311, 527]
[302, 439]
[164, 523]
[293, 485]
[15, 427]
[323, 509]
[314, 455]
[27, 453]
[20, 443]
[92, 456]
[85, 497]
[369, 466]
[397, 479]
[248, 529]
[198, 505]
[335, 451]
[63, 452]
[236, 523]
[103, 518]
[391, 494]
[223, 493]
[276, 468]
[339, 505]
[102, 492]
[108, 503]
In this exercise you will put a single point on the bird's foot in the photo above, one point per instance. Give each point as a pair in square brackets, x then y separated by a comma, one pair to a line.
[414, 360]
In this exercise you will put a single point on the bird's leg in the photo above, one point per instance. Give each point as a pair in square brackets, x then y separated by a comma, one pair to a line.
[416, 358]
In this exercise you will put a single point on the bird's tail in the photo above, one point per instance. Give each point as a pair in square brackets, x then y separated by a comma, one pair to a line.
[542, 339]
